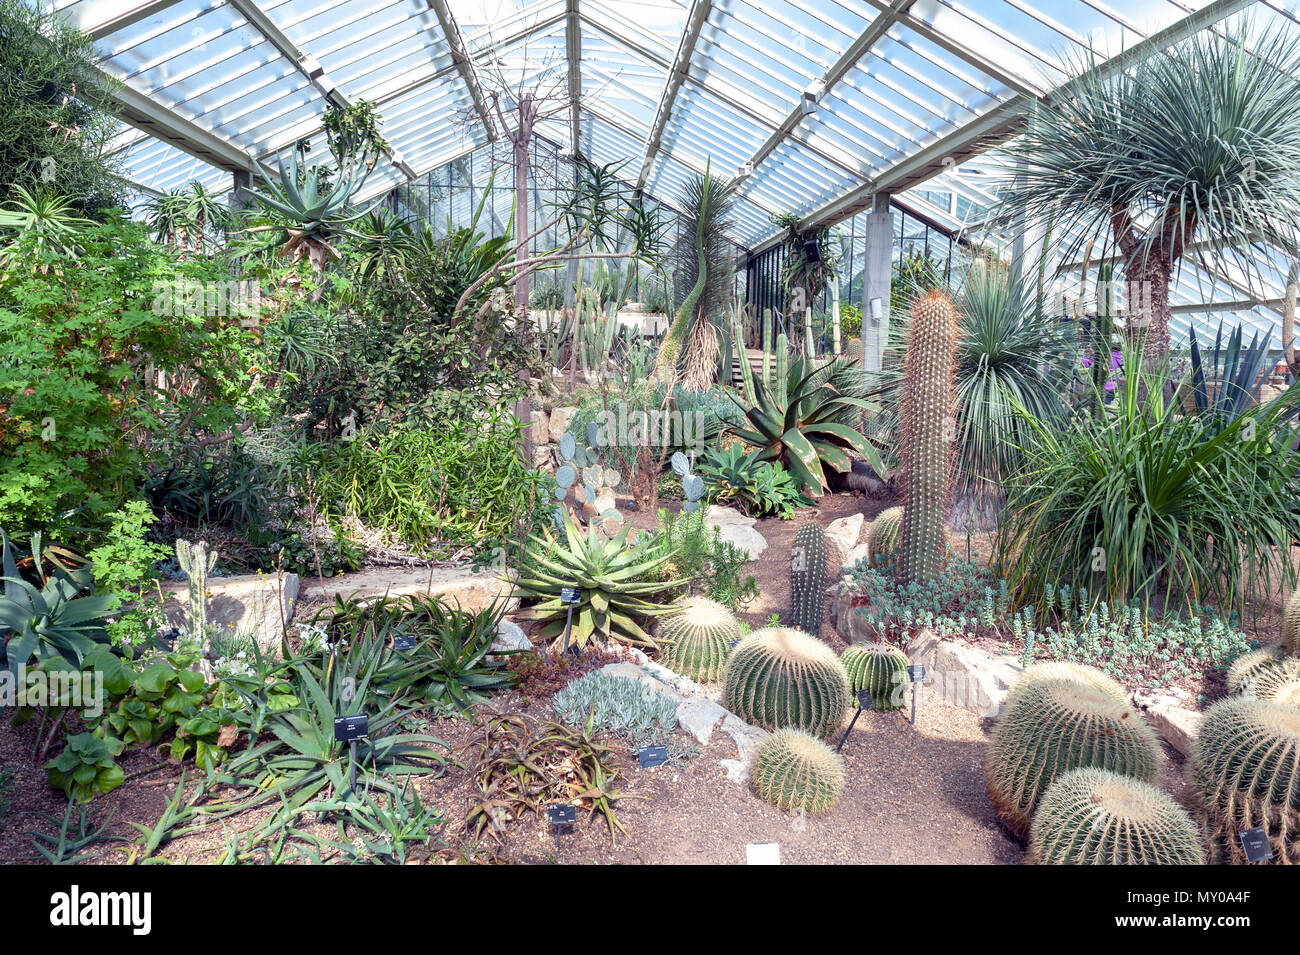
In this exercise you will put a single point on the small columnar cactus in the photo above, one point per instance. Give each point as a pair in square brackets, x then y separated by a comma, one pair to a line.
[1049, 727]
[1244, 769]
[929, 414]
[1078, 672]
[1096, 817]
[793, 770]
[696, 640]
[808, 578]
[778, 677]
[196, 562]
[881, 670]
[882, 536]
[1247, 668]
[1291, 625]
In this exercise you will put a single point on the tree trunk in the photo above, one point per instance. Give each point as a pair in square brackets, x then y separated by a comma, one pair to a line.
[1147, 303]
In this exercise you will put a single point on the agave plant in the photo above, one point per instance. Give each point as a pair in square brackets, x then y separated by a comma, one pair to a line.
[809, 418]
[1223, 382]
[309, 212]
[612, 578]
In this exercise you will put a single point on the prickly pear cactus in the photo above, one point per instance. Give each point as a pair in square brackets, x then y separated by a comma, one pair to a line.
[808, 578]
[692, 483]
[196, 562]
[591, 483]
[929, 425]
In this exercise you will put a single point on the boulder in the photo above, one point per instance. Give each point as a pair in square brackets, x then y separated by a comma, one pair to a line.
[471, 589]
[858, 553]
[255, 605]
[737, 529]
[540, 427]
[1174, 722]
[510, 636]
[559, 423]
[963, 675]
[844, 532]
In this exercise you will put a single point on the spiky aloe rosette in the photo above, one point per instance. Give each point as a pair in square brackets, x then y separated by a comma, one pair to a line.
[882, 536]
[881, 670]
[929, 415]
[696, 640]
[1049, 727]
[1244, 769]
[793, 770]
[808, 578]
[778, 677]
[1095, 817]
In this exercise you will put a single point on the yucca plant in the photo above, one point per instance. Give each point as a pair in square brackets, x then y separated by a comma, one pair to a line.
[44, 222]
[613, 579]
[809, 419]
[1223, 381]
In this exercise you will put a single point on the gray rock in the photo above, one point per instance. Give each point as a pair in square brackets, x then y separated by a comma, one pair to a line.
[718, 516]
[559, 423]
[698, 717]
[540, 427]
[472, 590]
[845, 532]
[1177, 724]
[744, 537]
[510, 636]
[964, 676]
[860, 552]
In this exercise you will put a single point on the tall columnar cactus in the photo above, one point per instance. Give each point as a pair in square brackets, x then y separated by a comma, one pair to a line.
[1049, 727]
[808, 578]
[882, 536]
[1095, 817]
[778, 677]
[196, 562]
[696, 640]
[929, 415]
[1291, 625]
[1245, 772]
[1246, 669]
[793, 770]
[881, 670]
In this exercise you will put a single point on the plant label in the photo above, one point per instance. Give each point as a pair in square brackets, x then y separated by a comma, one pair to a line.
[916, 673]
[351, 727]
[561, 815]
[864, 700]
[570, 595]
[651, 756]
[1254, 842]
[404, 641]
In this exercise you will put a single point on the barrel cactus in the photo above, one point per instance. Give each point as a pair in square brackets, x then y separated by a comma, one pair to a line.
[1291, 624]
[779, 677]
[1245, 771]
[1279, 684]
[1049, 727]
[882, 536]
[696, 640]
[880, 669]
[793, 770]
[808, 578]
[1247, 667]
[1095, 817]
[1078, 672]
[929, 414]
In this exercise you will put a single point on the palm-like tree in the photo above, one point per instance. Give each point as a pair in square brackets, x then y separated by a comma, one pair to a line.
[1195, 149]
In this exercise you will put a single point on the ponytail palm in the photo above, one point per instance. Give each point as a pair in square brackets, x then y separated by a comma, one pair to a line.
[1198, 144]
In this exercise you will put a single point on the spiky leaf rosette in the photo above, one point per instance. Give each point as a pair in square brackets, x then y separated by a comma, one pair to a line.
[929, 428]
[1245, 771]
[778, 677]
[696, 640]
[879, 668]
[1078, 672]
[1247, 667]
[793, 770]
[1291, 624]
[808, 578]
[1096, 817]
[882, 536]
[1049, 727]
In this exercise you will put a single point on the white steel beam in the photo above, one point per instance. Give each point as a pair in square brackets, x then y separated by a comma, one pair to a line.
[676, 76]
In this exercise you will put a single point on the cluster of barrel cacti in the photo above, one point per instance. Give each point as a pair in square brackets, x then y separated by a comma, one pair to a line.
[808, 559]
[794, 770]
[697, 639]
[882, 537]
[779, 677]
[929, 408]
[196, 562]
[881, 670]
[583, 463]
[1050, 725]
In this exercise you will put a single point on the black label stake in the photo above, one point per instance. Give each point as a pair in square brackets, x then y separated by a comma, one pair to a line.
[864, 703]
[558, 817]
[570, 596]
[651, 756]
[1254, 842]
[917, 675]
[348, 729]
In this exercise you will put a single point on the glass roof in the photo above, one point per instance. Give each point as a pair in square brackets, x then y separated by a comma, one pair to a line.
[823, 102]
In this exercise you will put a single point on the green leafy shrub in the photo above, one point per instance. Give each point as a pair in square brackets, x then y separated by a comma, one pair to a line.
[778, 677]
[616, 704]
[697, 555]
[793, 770]
[736, 478]
[86, 767]
[123, 569]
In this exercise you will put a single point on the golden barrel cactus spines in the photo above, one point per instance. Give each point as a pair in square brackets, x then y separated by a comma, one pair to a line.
[697, 640]
[1280, 684]
[779, 677]
[881, 670]
[793, 770]
[1291, 624]
[882, 537]
[1096, 817]
[1078, 672]
[808, 559]
[1049, 727]
[1247, 668]
[929, 419]
[1244, 769]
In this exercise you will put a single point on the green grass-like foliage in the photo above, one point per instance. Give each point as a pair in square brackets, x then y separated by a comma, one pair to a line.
[880, 668]
[614, 703]
[1245, 770]
[696, 640]
[793, 770]
[808, 578]
[1049, 727]
[882, 536]
[1096, 817]
[613, 578]
[929, 429]
[779, 677]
